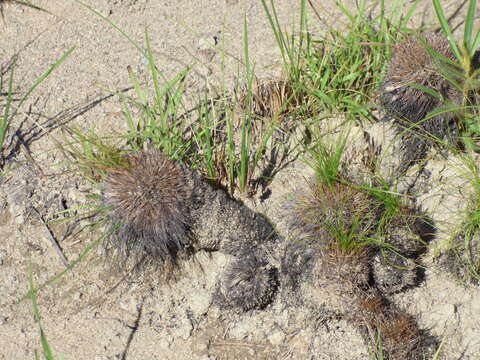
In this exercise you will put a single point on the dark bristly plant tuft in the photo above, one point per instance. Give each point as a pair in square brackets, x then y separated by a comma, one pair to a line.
[431, 88]
[149, 201]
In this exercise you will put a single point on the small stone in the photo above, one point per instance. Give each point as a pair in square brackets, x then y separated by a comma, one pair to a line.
[206, 48]
[207, 42]
[200, 303]
[277, 338]
[241, 330]
[185, 328]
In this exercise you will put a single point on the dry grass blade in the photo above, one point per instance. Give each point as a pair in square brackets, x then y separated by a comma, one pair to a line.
[270, 98]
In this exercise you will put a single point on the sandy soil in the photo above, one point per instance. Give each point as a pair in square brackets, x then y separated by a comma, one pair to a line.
[96, 313]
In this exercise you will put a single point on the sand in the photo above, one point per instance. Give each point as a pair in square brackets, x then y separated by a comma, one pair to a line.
[94, 312]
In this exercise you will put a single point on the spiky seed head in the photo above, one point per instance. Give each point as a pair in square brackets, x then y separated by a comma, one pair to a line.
[149, 199]
[412, 63]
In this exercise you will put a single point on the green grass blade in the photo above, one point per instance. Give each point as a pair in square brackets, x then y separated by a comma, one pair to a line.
[276, 30]
[7, 117]
[476, 42]
[409, 13]
[136, 84]
[43, 77]
[245, 136]
[5, 121]
[427, 90]
[245, 48]
[231, 150]
[73, 264]
[467, 34]
[96, 12]
[47, 350]
[153, 71]
[347, 12]
[446, 28]
[32, 293]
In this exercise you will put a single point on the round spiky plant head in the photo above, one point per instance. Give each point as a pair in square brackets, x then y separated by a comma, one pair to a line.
[400, 335]
[330, 215]
[462, 258]
[413, 63]
[148, 200]
[394, 273]
[248, 283]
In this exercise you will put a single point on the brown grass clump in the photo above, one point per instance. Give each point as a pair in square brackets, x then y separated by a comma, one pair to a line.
[269, 98]
[371, 303]
[148, 201]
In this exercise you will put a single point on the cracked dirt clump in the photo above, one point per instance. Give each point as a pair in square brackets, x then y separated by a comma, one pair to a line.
[148, 199]
[413, 63]
[223, 224]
